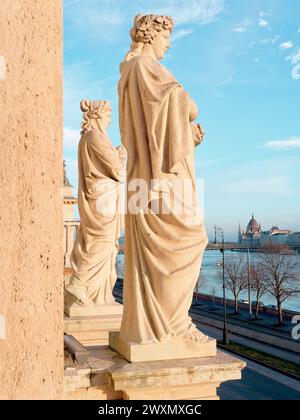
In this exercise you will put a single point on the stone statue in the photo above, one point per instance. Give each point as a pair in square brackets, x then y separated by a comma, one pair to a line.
[163, 250]
[100, 170]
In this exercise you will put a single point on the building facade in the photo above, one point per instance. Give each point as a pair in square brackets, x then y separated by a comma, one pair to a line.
[255, 236]
[252, 235]
[70, 224]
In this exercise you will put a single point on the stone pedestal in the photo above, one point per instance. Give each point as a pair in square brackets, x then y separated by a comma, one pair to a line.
[91, 325]
[73, 309]
[107, 376]
[169, 349]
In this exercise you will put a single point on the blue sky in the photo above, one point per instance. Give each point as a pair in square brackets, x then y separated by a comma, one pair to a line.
[240, 61]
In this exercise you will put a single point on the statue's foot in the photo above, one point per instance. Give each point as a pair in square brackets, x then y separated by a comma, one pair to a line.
[194, 334]
[78, 295]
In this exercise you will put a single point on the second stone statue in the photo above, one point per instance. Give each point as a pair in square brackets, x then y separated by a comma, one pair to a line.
[165, 232]
[100, 170]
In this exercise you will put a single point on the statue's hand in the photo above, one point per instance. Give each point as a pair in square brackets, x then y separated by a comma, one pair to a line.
[193, 111]
[122, 152]
[198, 133]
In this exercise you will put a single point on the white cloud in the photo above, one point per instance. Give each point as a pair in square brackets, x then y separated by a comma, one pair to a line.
[102, 18]
[263, 14]
[183, 12]
[242, 27]
[82, 83]
[227, 80]
[263, 23]
[239, 28]
[275, 175]
[264, 41]
[71, 138]
[286, 45]
[271, 184]
[241, 53]
[288, 144]
[294, 58]
[257, 185]
[273, 40]
[295, 73]
[181, 34]
[207, 163]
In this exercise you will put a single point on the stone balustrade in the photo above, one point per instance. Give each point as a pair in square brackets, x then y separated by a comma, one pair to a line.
[70, 232]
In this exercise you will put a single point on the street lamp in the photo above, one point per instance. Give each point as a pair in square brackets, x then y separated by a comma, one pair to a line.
[222, 250]
[249, 283]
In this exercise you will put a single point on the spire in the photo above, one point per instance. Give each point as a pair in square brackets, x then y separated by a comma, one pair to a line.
[240, 227]
[66, 181]
[240, 233]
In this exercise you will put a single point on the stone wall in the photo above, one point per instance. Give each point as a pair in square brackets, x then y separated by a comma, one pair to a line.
[31, 235]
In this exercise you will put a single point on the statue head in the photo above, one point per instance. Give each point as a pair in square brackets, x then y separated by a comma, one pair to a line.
[151, 32]
[96, 114]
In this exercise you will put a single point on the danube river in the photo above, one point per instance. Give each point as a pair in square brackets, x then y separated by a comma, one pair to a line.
[210, 281]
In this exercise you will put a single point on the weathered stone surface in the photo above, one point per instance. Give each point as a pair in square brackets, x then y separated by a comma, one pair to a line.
[73, 309]
[31, 356]
[93, 330]
[170, 348]
[108, 376]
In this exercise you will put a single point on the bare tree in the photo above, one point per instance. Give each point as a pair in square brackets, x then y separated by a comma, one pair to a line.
[259, 281]
[213, 296]
[235, 277]
[279, 266]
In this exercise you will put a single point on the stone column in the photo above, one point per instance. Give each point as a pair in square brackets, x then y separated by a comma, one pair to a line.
[31, 305]
[69, 243]
[65, 238]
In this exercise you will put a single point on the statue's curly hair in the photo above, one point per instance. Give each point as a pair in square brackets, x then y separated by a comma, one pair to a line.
[145, 28]
[92, 110]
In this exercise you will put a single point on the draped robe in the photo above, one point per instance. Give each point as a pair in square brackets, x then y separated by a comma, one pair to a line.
[163, 252]
[96, 246]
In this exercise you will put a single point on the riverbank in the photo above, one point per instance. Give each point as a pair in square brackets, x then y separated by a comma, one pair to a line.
[264, 311]
[257, 339]
[210, 281]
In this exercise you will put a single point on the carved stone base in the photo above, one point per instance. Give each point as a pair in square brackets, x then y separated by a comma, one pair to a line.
[169, 349]
[106, 376]
[92, 330]
[75, 309]
[91, 324]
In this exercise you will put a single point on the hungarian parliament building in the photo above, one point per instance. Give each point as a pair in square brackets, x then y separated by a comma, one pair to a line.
[254, 235]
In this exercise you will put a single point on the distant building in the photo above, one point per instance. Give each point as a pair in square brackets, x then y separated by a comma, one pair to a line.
[68, 196]
[294, 239]
[275, 236]
[254, 235]
[70, 224]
